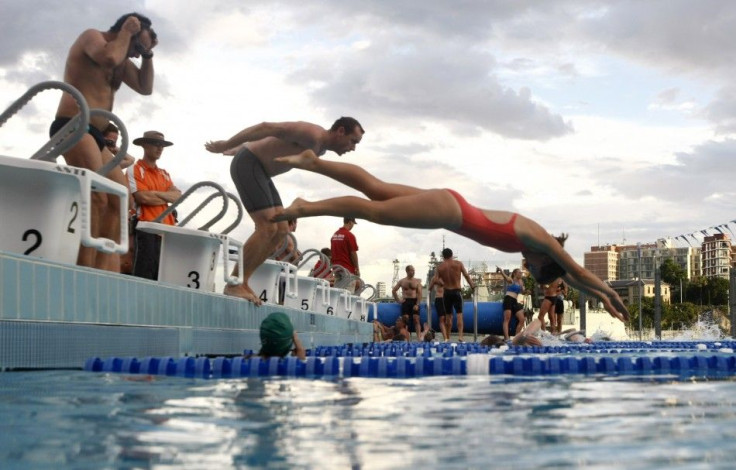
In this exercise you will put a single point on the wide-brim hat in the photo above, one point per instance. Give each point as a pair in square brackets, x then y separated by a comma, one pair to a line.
[152, 137]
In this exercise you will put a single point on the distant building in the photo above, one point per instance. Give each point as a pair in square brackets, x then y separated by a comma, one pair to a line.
[718, 255]
[624, 262]
[602, 261]
[628, 290]
[380, 289]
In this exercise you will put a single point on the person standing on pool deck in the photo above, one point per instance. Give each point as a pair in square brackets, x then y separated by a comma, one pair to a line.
[256, 149]
[511, 305]
[411, 297]
[559, 309]
[449, 271]
[153, 192]
[344, 248]
[544, 255]
[97, 64]
[439, 306]
[548, 303]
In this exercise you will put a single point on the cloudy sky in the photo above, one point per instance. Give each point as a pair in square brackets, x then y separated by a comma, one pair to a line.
[611, 120]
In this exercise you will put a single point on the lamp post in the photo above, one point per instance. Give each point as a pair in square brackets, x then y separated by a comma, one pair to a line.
[641, 285]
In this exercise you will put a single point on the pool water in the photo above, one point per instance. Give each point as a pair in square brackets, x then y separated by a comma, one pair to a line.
[76, 419]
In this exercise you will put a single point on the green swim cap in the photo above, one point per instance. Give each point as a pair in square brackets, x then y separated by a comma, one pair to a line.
[277, 335]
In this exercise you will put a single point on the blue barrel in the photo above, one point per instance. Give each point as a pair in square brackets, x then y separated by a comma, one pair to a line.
[490, 317]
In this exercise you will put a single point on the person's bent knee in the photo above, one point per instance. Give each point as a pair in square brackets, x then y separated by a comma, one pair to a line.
[100, 199]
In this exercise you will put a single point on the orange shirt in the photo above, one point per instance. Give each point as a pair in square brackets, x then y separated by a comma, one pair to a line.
[142, 177]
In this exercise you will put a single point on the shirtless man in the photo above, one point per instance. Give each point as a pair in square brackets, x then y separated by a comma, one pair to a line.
[97, 64]
[411, 297]
[449, 271]
[255, 149]
[439, 305]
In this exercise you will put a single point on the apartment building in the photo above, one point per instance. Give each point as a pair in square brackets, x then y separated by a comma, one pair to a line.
[602, 261]
[623, 262]
[717, 255]
[380, 289]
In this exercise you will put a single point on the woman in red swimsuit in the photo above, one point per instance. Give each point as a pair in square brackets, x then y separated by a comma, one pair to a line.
[397, 204]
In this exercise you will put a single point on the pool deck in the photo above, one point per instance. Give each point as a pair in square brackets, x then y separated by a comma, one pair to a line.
[53, 315]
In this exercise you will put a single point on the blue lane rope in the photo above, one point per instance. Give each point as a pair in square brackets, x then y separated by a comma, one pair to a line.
[407, 360]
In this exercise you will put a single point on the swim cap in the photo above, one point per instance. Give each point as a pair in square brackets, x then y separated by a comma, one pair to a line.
[276, 335]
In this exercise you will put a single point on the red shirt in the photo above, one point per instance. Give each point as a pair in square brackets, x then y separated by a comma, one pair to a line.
[343, 242]
[142, 177]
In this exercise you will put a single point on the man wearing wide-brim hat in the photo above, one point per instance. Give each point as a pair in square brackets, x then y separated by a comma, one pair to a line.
[152, 191]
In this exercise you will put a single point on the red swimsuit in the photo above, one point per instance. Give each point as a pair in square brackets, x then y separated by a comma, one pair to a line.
[477, 227]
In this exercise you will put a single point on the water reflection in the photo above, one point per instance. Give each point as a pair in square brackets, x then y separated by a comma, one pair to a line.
[96, 420]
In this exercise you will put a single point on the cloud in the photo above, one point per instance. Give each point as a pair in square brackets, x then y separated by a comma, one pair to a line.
[441, 82]
[693, 178]
[722, 111]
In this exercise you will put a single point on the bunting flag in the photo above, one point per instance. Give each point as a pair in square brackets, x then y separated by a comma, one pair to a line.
[705, 233]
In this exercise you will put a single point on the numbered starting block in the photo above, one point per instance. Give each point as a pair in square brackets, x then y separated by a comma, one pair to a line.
[45, 209]
[301, 293]
[189, 256]
[265, 280]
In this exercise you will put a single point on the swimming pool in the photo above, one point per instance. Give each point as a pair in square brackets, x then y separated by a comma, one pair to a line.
[78, 419]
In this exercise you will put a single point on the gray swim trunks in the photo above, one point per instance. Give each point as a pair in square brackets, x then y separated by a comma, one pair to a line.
[255, 187]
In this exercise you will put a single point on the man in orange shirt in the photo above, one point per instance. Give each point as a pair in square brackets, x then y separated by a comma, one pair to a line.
[153, 191]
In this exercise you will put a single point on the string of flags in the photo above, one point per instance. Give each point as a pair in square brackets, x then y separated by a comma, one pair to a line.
[718, 228]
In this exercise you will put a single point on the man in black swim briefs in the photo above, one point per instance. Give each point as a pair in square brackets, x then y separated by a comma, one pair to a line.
[411, 297]
[97, 64]
[439, 304]
[449, 271]
[255, 149]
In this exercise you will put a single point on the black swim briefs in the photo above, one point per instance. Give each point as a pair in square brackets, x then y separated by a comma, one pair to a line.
[96, 134]
[453, 299]
[511, 303]
[407, 307]
[559, 306]
[254, 185]
[439, 305]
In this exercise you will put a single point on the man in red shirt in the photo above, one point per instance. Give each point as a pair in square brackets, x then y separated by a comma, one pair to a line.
[152, 191]
[345, 251]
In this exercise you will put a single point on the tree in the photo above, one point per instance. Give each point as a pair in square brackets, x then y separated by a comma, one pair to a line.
[717, 291]
[680, 316]
[674, 275]
[695, 291]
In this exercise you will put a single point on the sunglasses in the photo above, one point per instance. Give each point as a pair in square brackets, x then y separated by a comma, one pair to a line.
[109, 143]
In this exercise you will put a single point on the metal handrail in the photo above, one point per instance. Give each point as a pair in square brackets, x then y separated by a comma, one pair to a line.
[212, 196]
[68, 136]
[221, 192]
[123, 131]
[373, 295]
[311, 253]
[284, 246]
[346, 276]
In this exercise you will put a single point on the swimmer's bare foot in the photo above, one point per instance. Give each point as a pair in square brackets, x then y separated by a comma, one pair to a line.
[307, 160]
[295, 210]
[242, 291]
